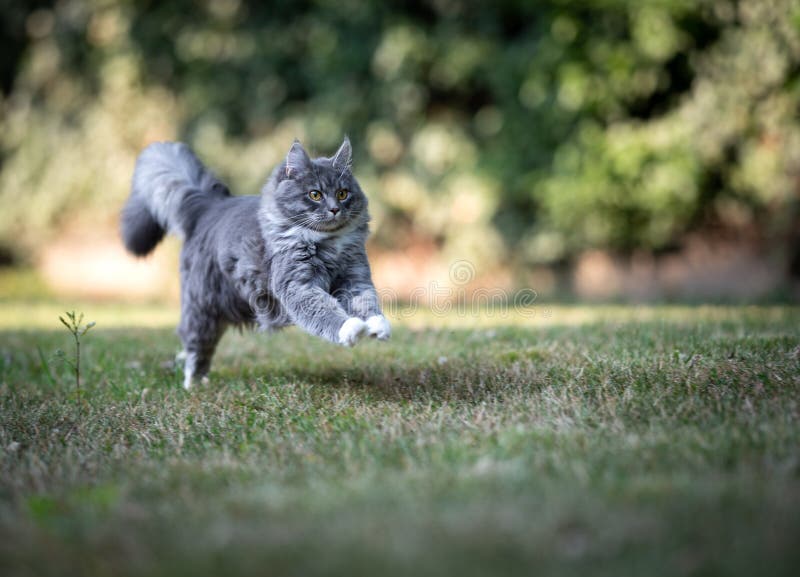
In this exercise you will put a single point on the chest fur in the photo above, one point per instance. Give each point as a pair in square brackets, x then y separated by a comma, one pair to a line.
[328, 256]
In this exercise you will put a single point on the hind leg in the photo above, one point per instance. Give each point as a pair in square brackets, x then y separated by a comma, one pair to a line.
[200, 334]
[195, 369]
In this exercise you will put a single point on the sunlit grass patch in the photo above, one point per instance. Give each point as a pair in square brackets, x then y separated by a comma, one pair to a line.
[39, 314]
[23, 315]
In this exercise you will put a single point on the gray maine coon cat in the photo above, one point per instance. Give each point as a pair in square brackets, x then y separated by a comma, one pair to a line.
[293, 255]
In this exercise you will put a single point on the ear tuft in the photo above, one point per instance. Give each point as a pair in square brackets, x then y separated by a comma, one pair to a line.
[297, 159]
[343, 159]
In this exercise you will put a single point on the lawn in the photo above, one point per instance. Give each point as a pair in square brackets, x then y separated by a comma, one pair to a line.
[574, 441]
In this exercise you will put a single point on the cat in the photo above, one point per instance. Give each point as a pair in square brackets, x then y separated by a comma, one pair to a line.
[293, 255]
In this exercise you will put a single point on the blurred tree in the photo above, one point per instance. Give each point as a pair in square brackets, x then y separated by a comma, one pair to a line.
[509, 131]
[15, 32]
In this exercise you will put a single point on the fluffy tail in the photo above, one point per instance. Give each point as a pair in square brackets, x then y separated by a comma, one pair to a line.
[171, 189]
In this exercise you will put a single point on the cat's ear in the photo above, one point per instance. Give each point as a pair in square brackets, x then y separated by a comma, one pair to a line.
[297, 160]
[343, 159]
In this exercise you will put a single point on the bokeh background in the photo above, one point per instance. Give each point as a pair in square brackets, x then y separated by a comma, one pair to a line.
[601, 149]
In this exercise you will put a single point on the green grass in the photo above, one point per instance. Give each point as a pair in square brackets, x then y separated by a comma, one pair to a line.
[583, 440]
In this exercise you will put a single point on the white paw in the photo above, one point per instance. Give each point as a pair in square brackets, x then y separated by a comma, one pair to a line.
[352, 330]
[379, 327]
[189, 380]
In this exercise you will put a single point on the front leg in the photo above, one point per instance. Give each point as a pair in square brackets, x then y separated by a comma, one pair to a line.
[364, 304]
[357, 295]
[312, 308]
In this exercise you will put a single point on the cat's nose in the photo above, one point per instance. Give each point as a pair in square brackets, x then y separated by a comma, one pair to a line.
[334, 210]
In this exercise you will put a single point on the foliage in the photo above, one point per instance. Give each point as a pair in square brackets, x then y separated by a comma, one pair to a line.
[586, 441]
[513, 131]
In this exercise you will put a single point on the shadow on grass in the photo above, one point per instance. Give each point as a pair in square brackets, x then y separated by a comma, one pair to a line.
[432, 365]
[417, 382]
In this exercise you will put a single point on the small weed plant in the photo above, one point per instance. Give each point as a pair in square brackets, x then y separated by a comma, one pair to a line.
[74, 324]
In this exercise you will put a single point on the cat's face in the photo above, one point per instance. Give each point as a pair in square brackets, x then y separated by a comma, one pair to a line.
[319, 194]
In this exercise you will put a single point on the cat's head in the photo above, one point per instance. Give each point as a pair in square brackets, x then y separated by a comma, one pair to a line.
[320, 194]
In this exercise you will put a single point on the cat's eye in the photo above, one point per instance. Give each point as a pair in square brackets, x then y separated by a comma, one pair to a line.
[342, 193]
[315, 195]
